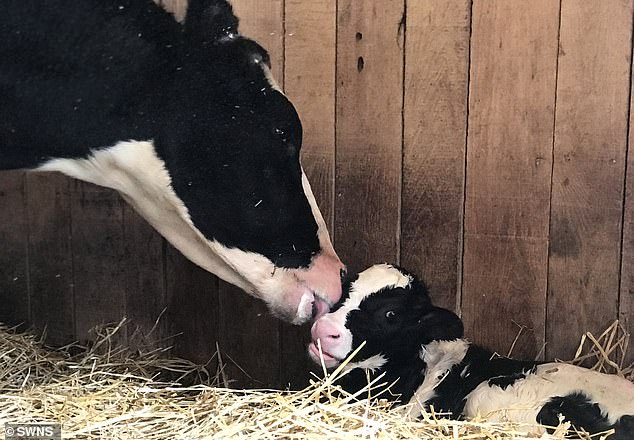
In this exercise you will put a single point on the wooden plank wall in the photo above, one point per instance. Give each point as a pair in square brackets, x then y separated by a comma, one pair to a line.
[481, 144]
[509, 150]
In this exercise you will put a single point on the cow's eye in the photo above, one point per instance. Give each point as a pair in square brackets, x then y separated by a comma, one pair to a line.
[390, 314]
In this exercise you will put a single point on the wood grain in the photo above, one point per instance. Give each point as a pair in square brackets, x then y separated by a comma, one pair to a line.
[369, 131]
[14, 266]
[435, 124]
[509, 150]
[626, 287]
[146, 297]
[50, 256]
[588, 175]
[193, 310]
[245, 323]
[177, 7]
[99, 257]
[374, 90]
[309, 80]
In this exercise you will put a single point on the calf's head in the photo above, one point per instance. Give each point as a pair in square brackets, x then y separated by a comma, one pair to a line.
[389, 309]
[240, 178]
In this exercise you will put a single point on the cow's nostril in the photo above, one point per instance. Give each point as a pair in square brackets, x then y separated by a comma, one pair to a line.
[335, 336]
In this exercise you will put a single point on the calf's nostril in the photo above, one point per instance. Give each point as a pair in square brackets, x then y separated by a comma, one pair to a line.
[336, 336]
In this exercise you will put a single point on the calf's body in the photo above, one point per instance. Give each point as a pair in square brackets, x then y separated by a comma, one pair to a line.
[501, 389]
[185, 121]
[420, 348]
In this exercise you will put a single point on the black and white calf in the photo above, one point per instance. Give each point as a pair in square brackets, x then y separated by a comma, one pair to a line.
[185, 121]
[421, 347]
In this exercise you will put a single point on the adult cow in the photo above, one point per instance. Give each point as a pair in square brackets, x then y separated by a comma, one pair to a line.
[185, 121]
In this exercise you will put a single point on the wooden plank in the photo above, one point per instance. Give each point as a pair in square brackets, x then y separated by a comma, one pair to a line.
[14, 295]
[626, 288]
[245, 322]
[590, 143]
[50, 256]
[509, 150]
[192, 308]
[146, 298]
[309, 73]
[99, 257]
[309, 83]
[435, 124]
[263, 20]
[369, 131]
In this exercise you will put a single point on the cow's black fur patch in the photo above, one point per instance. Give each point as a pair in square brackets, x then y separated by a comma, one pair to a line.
[395, 335]
[76, 76]
[389, 321]
[583, 414]
[346, 283]
[506, 380]
[478, 365]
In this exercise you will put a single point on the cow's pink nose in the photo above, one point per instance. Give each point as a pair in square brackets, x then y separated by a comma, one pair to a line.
[324, 277]
[324, 330]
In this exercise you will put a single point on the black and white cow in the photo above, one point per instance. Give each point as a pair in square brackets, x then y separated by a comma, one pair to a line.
[422, 348]
[185, 121]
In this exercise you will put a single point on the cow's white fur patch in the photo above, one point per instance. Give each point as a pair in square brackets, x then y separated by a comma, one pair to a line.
[522, 401]
[269, 76]
[134, 169]
[322, 230]
[439, 357]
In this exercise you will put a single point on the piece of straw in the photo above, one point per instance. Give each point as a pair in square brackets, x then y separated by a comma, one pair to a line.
[113, 392]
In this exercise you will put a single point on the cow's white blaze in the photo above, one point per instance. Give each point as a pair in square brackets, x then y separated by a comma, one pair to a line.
[269, 76]
[134, 169]
[322, 230]
[325, 243]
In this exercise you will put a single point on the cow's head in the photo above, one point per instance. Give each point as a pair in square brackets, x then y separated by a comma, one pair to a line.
[240, 177]
[389, 309]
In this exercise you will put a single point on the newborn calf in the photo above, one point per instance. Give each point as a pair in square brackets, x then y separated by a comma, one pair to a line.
[422, 346]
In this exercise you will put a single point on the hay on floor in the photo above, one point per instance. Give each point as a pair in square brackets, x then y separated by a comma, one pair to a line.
[108, 391]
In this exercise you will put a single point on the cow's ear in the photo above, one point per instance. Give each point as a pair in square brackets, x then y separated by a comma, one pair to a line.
[211, 20]
[439, 324]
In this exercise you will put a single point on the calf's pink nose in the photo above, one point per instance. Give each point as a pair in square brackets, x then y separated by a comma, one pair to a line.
[324, 330]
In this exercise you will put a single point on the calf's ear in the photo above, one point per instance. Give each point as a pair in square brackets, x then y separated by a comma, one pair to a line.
[210, 20]
[440, 324]
[420, 291]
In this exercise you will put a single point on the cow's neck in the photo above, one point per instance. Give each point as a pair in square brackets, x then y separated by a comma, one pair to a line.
[139, 175]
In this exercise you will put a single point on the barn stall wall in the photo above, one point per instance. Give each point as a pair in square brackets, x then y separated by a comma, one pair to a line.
[481, 144]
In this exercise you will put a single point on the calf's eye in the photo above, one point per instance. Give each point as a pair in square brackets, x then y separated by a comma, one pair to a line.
[390, 314]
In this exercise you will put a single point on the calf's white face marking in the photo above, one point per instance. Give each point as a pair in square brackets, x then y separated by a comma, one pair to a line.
[335, 350]
[134, 169]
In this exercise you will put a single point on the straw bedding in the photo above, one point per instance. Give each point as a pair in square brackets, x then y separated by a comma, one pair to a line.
[108, 391]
